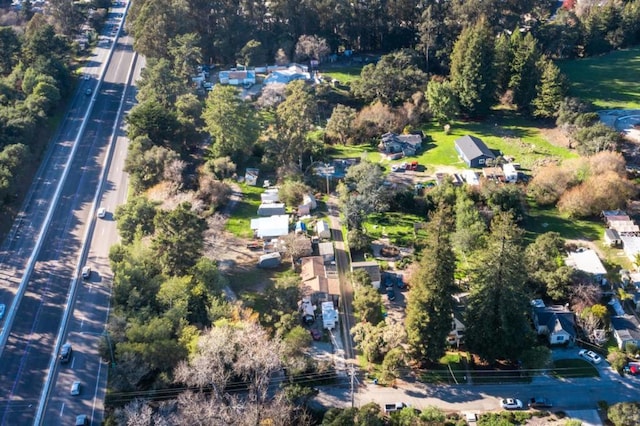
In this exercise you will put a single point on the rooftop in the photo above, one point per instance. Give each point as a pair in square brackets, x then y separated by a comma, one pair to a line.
[586, 261]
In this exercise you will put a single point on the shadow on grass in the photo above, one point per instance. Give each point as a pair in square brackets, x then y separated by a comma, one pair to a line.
[548, 219]
[573, 368]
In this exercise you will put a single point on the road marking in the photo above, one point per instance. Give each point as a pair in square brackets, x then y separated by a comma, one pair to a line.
[61, 409]
[95, 394]
[73, 362]
[82, 323]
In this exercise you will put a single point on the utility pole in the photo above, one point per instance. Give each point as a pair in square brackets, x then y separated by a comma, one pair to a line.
[352, 373]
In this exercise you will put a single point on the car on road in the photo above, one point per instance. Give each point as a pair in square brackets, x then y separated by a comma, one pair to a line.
[82, 420]
[75, 388]
[2, 309]
[102, 212]
[391, 294]
[539, 402]
[65, 352]
[86, 272]
[590, 356]
[88, 92]
[395, 167]
[511, 404]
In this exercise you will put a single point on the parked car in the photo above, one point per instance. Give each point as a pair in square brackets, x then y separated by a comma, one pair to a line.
[75, 389]
[632, 368]
[413, 165]
[2, 309]
[539, 402]
[315, 334]
[511, 404]
[82, 420]
[590, 356]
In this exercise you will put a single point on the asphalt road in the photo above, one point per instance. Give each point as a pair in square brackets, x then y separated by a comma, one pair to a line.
[27, 354]
[90, 313]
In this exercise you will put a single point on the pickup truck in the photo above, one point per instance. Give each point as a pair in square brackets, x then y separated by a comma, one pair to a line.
[389, 408]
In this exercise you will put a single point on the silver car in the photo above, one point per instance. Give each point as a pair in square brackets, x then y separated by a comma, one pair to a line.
[75, 388]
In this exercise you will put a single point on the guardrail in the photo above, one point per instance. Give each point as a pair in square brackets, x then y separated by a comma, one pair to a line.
[46, 390]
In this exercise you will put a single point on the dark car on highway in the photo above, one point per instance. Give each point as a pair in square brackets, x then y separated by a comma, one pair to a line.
[65, 352]
[539, 402]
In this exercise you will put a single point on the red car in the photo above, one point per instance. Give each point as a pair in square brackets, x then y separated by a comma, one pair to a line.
[315, 334]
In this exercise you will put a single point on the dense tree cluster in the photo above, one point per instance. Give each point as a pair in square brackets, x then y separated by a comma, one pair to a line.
[34, 77]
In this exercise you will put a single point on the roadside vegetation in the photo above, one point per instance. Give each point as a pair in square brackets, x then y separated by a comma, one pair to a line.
[461, 69]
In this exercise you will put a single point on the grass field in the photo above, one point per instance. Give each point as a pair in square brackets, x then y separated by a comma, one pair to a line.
[398, 227]
[450, 369]
[345, 75]
[512, 136]
[547, 219]
[238, 224]
[573, 368]
[609, 81]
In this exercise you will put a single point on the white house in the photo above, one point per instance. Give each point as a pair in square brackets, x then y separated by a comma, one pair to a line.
[510, 172]
[322, 229]
[270, 196]
[587, 261]
[270, 227]
[271, 209]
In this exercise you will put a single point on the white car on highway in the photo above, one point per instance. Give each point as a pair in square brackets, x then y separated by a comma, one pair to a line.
[75, 389]
[102, 212]
[590, 356]
[511, 404]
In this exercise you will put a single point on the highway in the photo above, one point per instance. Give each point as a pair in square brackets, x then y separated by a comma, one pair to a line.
[31, 343]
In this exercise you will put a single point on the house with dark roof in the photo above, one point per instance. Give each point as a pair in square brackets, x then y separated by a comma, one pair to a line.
[626, 329]
[473, 151]
[408, 145]
[556, 322]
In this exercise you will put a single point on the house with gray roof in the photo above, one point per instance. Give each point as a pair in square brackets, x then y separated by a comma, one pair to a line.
[626, 329]
[473, 151]
[556, 322]
[408, 145]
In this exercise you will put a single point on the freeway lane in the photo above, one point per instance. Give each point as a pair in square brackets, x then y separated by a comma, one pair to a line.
[90, 312]
[26, 356]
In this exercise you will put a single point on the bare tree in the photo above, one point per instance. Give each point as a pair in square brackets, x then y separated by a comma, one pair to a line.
[272, 95]
[297, 246]
[311, 47]
[585, 295]
[173, 174]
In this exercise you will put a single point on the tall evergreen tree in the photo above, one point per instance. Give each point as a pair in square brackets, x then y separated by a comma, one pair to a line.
[496, 317]
[502, 62]
[550, 92]
[470, 227]
[430, 306]
[525, 73]
[472, 73]
[231, 122]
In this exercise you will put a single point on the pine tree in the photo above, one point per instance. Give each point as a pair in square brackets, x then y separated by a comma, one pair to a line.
[525, 73]
[502, 61]
[550, 92]
[472, 73]
[496, 317]
[430, 304]
[470, 227]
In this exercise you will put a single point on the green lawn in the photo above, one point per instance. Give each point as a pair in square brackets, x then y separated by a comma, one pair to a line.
[397, 226]
[452, 362]
[238, 224]
[609, 81]
[513, 136]
[364, 151]
[345, 74]
[546, 219]
[573, 368]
